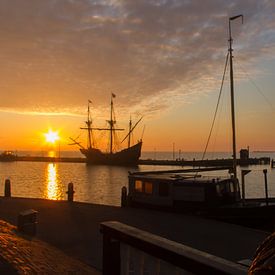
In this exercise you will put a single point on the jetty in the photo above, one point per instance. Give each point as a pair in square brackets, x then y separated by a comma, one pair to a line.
[207, 162]
[50, 159]
[177, 162]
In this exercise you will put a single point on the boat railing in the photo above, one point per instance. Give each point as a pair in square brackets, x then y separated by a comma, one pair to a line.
[128, 250]
[191, 170]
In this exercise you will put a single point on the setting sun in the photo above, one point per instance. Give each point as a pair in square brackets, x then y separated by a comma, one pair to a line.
[51, 137]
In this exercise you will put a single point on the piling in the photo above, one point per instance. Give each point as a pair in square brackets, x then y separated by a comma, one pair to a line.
[7, 188]
[265, 182]
[272, 163]
[70, 192]
[123, 196]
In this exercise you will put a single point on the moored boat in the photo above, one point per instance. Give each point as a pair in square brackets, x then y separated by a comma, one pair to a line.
[187, 191]
[125, 157]
[191, 191]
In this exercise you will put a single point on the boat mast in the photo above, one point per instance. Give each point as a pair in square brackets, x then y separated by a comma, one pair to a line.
[232, 96]
[130, 130]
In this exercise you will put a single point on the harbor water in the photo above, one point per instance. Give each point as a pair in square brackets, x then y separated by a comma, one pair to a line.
[102, 184]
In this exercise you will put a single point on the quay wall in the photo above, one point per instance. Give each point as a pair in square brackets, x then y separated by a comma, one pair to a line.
[73, 227]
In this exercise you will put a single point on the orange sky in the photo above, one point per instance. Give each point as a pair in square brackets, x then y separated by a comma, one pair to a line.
[163, 60]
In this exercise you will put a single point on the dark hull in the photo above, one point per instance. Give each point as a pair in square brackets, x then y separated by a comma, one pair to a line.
[253, 213]
[126, 157]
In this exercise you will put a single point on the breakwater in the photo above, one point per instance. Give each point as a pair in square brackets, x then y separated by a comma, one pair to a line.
[49, 159]
[178, 162]
[207, 162]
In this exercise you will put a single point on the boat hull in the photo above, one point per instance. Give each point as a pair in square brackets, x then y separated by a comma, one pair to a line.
[204, 196]
[126, 157]
[254, 213]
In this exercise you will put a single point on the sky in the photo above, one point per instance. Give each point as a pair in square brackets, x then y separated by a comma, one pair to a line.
[163, 60]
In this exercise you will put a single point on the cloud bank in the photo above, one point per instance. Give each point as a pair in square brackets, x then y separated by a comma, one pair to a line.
[56, 54]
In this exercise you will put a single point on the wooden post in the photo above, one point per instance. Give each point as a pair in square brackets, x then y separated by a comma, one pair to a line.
[7, 188]
[265, 181]
[70, 192]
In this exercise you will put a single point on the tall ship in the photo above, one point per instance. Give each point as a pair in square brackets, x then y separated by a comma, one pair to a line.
[125, 157]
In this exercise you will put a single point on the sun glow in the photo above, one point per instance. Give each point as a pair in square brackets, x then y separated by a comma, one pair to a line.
[51, 137]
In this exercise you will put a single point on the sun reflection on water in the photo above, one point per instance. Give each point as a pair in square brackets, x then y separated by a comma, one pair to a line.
[51, 154]
[53, 190]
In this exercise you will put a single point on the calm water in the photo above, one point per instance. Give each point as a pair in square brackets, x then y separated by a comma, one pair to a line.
[102, 184]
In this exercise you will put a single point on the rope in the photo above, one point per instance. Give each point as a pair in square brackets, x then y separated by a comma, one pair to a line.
[216, 110]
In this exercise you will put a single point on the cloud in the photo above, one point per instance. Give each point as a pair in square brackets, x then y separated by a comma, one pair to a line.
[57, 54]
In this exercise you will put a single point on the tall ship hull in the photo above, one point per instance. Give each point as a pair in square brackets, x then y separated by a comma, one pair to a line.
[125, 157]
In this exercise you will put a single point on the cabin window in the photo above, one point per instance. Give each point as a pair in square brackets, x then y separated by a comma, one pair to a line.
[163, 189]
[148, 187]
[138, 186]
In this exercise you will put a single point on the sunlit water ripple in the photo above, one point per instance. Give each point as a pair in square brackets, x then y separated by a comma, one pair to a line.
[102, 184]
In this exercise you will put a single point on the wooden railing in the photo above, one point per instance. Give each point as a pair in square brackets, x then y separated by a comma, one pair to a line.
[128, 250]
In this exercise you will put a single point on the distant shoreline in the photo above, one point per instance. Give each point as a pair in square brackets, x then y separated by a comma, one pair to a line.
[263, 151]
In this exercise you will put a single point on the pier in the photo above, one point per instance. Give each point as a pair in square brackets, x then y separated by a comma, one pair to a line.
[207, 162]
[178, 162]
[49, 159]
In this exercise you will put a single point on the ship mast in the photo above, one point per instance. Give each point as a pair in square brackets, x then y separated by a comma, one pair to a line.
[232, 97]
[111, 122]
[89, 124]
[88, 128]
[130, 130]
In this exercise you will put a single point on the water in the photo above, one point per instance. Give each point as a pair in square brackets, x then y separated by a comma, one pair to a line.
[102, 184]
